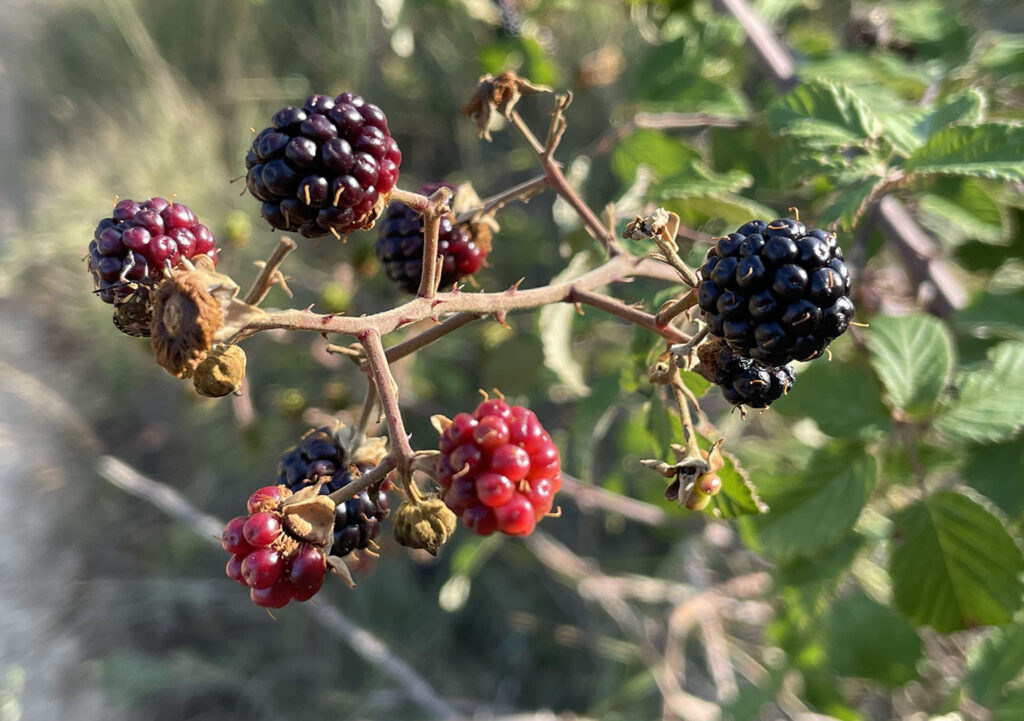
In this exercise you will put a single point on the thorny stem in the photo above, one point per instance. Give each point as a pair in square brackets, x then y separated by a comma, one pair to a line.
[261, 286]
[433, 209]
[522, 191]
[561, 186]
[665, 315]
[388, 394]
[615, 269]
[633, 315]
[411, 345]
[370, 478]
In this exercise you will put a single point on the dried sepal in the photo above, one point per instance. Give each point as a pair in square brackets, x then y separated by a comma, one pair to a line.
[498, 94]
[221, 372]
[338, 566]
[309, 516]
[440, 422]
[186, 317]
[426, 525]
[693, 480]
[371, 452]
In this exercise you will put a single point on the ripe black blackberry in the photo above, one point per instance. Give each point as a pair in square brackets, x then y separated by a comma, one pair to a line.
[399, 245]
[139, 240]
[328, 166]
[746, 382]
[776, 291]
[357, 520]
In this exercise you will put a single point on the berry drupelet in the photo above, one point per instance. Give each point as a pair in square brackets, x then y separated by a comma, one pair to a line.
[776, 291]
[357, 520]
[400, 245]
[499, 469]
[328, 166]
[747, 382]
[140, 240]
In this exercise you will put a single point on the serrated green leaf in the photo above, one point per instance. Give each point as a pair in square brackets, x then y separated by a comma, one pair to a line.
[868, 640]
[660, 153]
[849, 204]
[834, 111]
[820, 507]
[993, 314]
[738, 496]
[953, 564]
[989, 400]
[954, 222]
[964, 108]
[913, 357]
[696, 179]
[993, 150]
[843, 400]
[995, 662]
[997, 472]
[733, 210]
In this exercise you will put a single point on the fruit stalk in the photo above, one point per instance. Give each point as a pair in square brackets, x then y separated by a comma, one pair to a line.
[633, 315]
[372, 477]
[523, 190]
[387, 391]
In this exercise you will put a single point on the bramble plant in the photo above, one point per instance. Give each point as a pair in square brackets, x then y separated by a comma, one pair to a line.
[898, 459]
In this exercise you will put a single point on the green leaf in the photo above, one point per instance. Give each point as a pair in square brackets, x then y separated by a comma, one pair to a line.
[993, 150]
[820, 507]
[868, 640]
[696, 179]
[660, 153]
[995, 472]
[821, 112]
[738, 496]
[556, 321]
[733, 210]
[995, 662]
[843, 400]
[953, 564]
[993, 314]
[989, 402]
[848, 204]
[962, 108]
[974, 215]
[913, 357]
[695, 383]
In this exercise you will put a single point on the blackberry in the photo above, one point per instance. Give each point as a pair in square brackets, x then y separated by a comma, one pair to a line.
[747, 382]
[139, 240]
[499, 469]
[328, 166]
[776, 291]
[400, 245]
[357, 520]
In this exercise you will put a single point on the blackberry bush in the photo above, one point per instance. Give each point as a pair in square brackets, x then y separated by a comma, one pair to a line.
[400, 245]
[776, 291]
[139, 240]
[327, 167]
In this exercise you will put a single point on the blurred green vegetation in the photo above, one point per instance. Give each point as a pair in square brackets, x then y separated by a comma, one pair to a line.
[140, 98]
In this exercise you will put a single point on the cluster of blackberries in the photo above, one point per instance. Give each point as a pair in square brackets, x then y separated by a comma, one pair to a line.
[775, 292]
[400, 246]
[323, 167]
[744, 381]
[139, 240]
[276, 567]
[499, 469]
[357, 520]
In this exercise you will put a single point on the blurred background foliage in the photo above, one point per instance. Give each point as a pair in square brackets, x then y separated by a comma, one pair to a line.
[885, 581]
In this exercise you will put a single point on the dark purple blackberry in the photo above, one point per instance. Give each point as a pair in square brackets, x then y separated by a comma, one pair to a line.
[357, 520]
[400, 246]
[776, 291]
[746, 382]
[139, 240]
[325, 167]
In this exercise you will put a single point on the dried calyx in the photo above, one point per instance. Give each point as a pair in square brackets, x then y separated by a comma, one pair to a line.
[221, 372]
[693, 480]
[426, 525]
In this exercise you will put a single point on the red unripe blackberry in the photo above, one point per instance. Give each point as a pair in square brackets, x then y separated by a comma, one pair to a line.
[747, 382]
[400, 246]
[357, 520]
[776, 291]
[499, 469]
[261, 529]
[276, 596]
[139, 240]
[328, 166]
[233, 538]
[262, 568]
